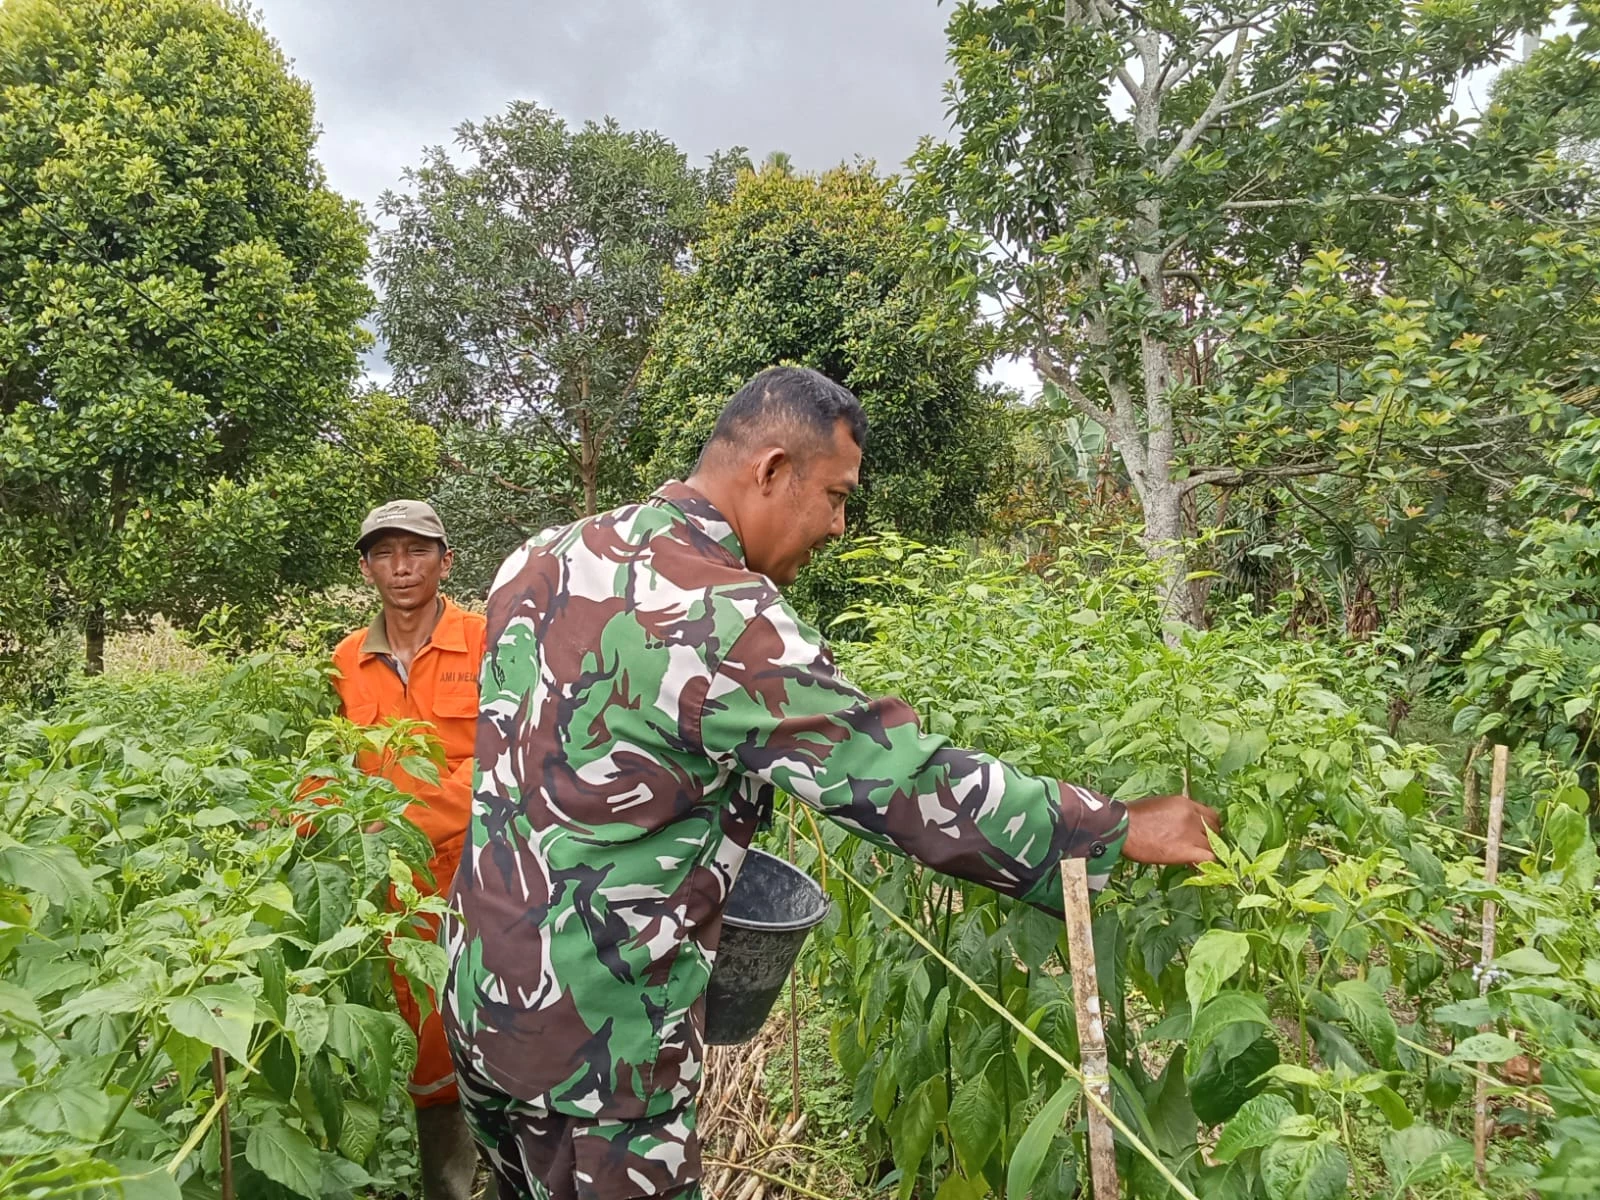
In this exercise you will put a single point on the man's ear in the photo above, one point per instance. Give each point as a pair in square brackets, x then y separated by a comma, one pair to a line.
[768, 466]
[366, 571]
[447, 559]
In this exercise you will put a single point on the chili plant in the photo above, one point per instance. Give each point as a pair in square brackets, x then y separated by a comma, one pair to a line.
[188, 940]
[1272, 1020]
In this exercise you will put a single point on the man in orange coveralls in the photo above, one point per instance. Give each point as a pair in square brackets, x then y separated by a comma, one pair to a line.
[419, 661]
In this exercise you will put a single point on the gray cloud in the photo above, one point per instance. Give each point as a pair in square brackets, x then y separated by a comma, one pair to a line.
[825, 81]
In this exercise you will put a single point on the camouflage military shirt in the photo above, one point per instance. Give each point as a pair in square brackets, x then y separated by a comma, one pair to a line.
[643, 693]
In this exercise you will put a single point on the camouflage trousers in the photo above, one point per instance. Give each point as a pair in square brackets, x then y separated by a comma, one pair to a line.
[539, 1155]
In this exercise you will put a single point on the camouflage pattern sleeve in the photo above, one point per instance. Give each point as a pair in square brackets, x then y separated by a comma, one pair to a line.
[778, 708]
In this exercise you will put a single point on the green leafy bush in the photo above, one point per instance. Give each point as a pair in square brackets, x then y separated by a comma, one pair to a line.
[1535, 673]
[169, 890]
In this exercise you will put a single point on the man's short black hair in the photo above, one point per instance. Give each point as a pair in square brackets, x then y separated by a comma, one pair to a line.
[788, 399]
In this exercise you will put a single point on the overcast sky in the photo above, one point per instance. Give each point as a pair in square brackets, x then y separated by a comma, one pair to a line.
[824, 80]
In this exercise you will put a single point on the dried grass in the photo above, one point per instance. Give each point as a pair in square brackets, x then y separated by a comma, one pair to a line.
[158, 648]
[752, 1151]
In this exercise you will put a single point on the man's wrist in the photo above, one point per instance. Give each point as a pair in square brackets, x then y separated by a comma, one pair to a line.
[1100, 865]
[1099, 828]
[1096, 828]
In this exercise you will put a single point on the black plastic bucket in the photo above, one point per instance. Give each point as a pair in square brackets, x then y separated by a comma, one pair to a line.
[772, 907]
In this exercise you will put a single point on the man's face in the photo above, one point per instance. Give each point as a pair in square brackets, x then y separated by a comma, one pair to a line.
[799, 507]
[406, 569]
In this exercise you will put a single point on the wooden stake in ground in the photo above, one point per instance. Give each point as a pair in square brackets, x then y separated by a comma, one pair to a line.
[219, 1081]
[1091, 1028]
[1491, 871]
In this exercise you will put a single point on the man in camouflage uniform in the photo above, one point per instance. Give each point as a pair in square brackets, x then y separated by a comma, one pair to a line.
[645, 690]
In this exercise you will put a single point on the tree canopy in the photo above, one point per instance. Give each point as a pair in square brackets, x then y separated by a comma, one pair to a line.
[822, 271]
[521, 284]
[179, 298]
[1258, 245]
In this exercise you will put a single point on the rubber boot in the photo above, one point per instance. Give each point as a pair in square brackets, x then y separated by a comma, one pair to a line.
[448, 1152]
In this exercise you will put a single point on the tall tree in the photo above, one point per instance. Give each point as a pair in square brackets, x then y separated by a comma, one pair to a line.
[179, 290]
[821, 271]
[524, 281]
[499, 486]
[1254, 241]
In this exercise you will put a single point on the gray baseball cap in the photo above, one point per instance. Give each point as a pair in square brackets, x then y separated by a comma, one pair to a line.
[407, 516]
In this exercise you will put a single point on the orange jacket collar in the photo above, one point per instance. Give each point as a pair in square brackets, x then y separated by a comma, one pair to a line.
[448, 634]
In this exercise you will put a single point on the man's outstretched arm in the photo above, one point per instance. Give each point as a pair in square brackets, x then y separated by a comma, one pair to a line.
[778, 708]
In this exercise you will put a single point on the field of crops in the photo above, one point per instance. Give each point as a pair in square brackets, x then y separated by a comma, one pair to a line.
[182, 966]
[184, 969]
[1304, 1018]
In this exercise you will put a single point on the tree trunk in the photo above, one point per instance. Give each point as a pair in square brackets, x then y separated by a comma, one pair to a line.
[588, 460]
[1160, 495]
[591, 491]
[1361, 616]
[94, 629]
[1471, 810]
[1148, 459]
[1399, 709]
[1146, 446]
[1163, 542]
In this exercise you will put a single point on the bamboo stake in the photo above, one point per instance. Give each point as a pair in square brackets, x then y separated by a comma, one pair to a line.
[794, 1009]
[1091, 1028]
[1491, 871]
[219, 1082]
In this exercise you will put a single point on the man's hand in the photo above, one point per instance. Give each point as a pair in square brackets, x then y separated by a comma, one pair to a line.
[1169, 830]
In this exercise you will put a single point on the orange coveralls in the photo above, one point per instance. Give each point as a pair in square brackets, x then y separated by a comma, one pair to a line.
[441, 689]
